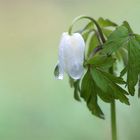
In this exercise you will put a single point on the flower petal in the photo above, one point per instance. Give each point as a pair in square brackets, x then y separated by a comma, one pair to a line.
[71, 55]
[74, 55]
[61, 63]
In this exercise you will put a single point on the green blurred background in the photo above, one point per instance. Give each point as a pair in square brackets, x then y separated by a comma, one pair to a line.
[35, 106]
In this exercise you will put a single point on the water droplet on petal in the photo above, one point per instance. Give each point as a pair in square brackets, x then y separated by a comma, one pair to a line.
[60, 77]
[58, 73]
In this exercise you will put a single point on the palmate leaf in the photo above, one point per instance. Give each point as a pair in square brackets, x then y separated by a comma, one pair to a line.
[98, 83]
[89, 94]
[138, 39]
[92, 44]
[126, 24]
[102, 61]
[133, 64]
[124, 55]
[89, 26]
[107, 32]
[123, 37]
[139, 87]
[106, 22]
[85, 35]
[124, 71]
[117, 39]
[102, 80]
[106, 97]
[113, 78]
[87, 30]
[108, 84]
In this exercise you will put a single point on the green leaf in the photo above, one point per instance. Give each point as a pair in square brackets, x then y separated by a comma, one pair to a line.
[124, 55]
[89, 94]
[96, 59]
[87, 30]
[107, 32]
[137, 37]
[85, 35]
[76, 90]
[102, 61]
[118, 55]
[123, 72]
[94, 107]
[106, 22]
[133, 64]
[126, 24]
[89, 26]
[122, 37]
[117, 39]
[75, 84]
[108, 86]
[86, 89]
[104, 96]
[139, 87]
[93, 43]
[113, 78]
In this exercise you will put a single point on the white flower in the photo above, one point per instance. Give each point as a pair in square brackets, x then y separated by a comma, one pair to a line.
[71, 55]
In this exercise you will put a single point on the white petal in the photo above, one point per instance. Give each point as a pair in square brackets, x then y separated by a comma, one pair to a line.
[75, 70]
[72, 54]
[61, 57]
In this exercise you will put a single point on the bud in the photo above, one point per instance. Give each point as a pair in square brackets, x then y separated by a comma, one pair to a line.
[71, 55]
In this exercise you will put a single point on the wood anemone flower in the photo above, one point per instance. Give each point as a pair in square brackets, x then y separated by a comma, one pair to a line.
[71, 55]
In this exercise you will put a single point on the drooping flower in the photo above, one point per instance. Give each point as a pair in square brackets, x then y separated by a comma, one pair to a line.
[71, 55]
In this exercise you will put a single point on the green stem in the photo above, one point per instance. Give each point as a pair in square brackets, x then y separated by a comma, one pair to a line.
[94, 22]
[113, 121]
[139, 87]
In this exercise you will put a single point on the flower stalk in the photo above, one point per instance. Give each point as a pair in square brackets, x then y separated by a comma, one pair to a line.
[113, 121]
[113, 106]
[94, 22]
[100, 81]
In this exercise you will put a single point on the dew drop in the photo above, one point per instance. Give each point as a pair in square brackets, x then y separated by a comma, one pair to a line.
[58, 75]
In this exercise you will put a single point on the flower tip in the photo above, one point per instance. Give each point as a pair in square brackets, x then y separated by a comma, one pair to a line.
[76, 74]
[59, 77]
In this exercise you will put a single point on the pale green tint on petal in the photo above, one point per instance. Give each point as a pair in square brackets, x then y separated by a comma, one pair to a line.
[71, 55]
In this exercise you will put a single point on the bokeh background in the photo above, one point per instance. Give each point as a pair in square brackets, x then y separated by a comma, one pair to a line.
[35, 106]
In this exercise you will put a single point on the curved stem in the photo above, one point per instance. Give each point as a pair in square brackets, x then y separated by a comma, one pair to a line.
[113, 121]
[98, 36]
[91, 19]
